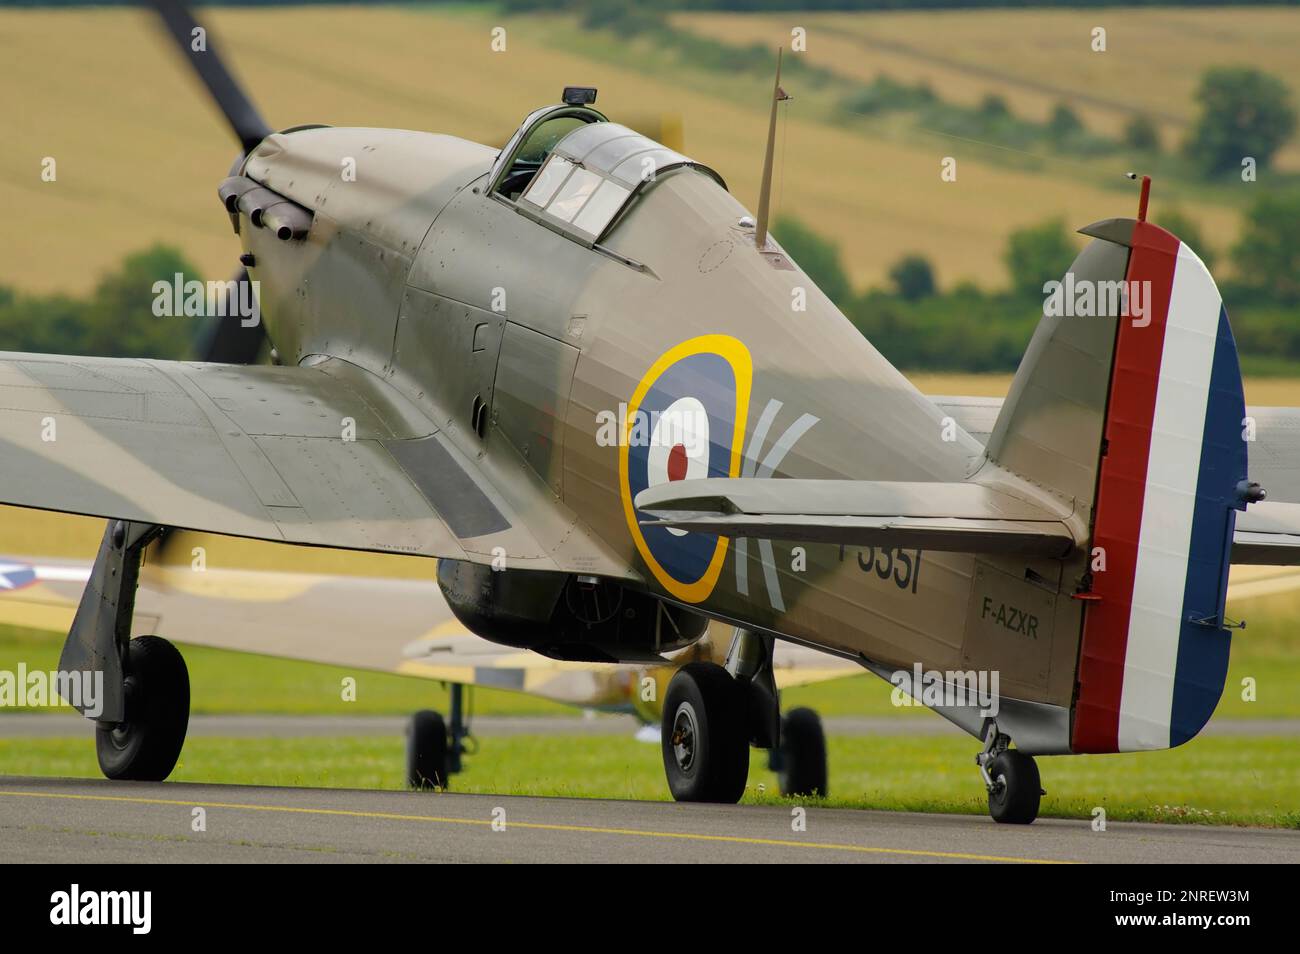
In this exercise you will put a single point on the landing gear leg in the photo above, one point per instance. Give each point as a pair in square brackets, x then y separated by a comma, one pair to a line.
[1011, 777]
[795, 741]
[143, 709]
[749, 660]
[459, 729]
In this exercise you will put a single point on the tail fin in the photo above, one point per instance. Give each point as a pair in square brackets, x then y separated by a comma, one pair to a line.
[1138, 417]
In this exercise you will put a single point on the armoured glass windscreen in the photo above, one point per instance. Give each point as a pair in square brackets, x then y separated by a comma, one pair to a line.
[542, 140]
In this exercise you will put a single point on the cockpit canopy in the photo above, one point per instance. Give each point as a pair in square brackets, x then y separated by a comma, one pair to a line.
[573, 170]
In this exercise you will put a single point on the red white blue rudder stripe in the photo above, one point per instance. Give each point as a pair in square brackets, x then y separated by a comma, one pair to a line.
[1154, 655]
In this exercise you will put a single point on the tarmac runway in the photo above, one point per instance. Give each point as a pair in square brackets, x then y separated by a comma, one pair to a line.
[83, 821]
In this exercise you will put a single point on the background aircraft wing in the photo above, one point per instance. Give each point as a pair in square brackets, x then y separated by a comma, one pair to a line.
[323, 455]
[1268, 534]
[329, 618]
[313, 617]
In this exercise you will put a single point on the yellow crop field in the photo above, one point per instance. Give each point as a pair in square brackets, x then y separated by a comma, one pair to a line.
[1035, 59]
[139, 150]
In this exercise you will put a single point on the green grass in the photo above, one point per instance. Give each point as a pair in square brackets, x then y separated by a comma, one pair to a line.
[1227, 781]
[227, 682]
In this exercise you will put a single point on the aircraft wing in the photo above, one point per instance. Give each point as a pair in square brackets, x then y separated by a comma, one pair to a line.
[323, 455]
[1267, 533]
[960, 517]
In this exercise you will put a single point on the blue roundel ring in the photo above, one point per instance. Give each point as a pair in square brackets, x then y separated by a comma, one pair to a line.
[685, 421]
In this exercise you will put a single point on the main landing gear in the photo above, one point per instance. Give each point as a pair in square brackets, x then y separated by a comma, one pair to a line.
[1011, 777]
[705, 738]
[713, 713]
[143, 706]
[433, 752]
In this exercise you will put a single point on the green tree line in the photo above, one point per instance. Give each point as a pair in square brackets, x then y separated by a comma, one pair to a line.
[971, 329]
[116, 319]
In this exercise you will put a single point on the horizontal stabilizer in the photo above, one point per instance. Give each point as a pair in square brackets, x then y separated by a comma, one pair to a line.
[1268, 534]
[956, 517]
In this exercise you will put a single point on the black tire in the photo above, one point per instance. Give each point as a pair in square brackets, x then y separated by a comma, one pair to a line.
[803, 754]
[426, 750]
[705, 741]
[1017, 788]
[146, 746]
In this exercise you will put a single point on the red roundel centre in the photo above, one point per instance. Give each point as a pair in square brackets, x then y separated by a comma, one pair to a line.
[677, 462]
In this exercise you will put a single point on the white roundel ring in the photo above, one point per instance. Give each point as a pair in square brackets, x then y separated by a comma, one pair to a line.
[679, 446]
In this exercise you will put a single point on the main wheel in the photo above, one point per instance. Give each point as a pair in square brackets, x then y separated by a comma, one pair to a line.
[705, 742]
[426, 750]
[803, 754]
[146, 746]
[1017, 789]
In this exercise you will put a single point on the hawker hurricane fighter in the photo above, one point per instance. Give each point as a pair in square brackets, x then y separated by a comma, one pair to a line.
[582, 376]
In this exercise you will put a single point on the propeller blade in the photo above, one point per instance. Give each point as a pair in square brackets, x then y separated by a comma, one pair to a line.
[239, 110]
[230, 342]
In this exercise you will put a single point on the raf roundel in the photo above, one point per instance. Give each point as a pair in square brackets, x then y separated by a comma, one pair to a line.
[685, 421]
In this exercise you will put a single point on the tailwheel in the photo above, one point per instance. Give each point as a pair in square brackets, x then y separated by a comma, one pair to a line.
[802, 754]
[1015, 789]
[705, 739]
[426, 751]
[147, 744]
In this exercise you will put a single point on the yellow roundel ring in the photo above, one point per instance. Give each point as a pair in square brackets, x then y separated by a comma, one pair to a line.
[708, 379]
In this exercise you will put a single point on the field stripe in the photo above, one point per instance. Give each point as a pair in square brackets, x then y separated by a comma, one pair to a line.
[542, 826]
